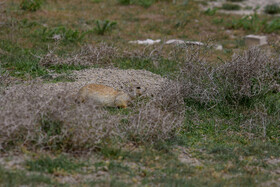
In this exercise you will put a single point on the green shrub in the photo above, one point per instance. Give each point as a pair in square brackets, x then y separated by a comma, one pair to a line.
[30, 5]
[104, 26]
[272, 9]
[125, 2]
[230, 6]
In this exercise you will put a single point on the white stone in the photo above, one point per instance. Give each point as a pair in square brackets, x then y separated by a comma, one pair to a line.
[57, 37]
[219, 47]
[175, 41]
[145, 42]
[255, 40]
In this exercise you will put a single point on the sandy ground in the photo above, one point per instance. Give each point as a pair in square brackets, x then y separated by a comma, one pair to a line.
[246, 3]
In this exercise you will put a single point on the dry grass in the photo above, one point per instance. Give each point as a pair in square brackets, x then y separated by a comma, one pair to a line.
[56, 122]
[248, 75]
[89, 55]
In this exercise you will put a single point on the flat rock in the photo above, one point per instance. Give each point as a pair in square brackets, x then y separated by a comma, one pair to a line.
[255, 40]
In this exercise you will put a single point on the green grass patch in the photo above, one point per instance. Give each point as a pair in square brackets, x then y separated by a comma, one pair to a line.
[66, 35]
[20, 62]
[46, 164]
[18, 178]
[31, 5]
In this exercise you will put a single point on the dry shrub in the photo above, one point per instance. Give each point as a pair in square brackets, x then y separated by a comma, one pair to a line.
[153, 52]
[151, 123]
[88, 56]
[248, 75]
[159, 118]
[39, 121]
[197, 76]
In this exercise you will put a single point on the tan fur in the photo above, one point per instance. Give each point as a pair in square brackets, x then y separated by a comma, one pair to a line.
[103, 96]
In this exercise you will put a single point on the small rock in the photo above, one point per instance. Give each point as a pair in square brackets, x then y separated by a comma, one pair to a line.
[218, 47]
[57, 37]
[145, 42]
[255, 40]
[175, 41]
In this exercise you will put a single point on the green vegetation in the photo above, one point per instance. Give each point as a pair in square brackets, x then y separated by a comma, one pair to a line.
[31, 5]
[255, 23]
[211, 12]
[143, 3]
[17, 177]
[125, 2]
[230, 6]
[104, 26]
[51, 165]
[59, 33]
[272, 9]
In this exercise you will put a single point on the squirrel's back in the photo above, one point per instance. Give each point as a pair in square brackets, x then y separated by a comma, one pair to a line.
[103, 95]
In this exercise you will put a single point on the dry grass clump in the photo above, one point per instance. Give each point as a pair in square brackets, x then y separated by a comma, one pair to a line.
[243, 92]
[248, 75]
[55, 122]
[5, 79]
[158, 118]
[88, 56]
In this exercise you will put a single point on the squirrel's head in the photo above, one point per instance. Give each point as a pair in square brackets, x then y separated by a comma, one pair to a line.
[122, 100]
[136, 91]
